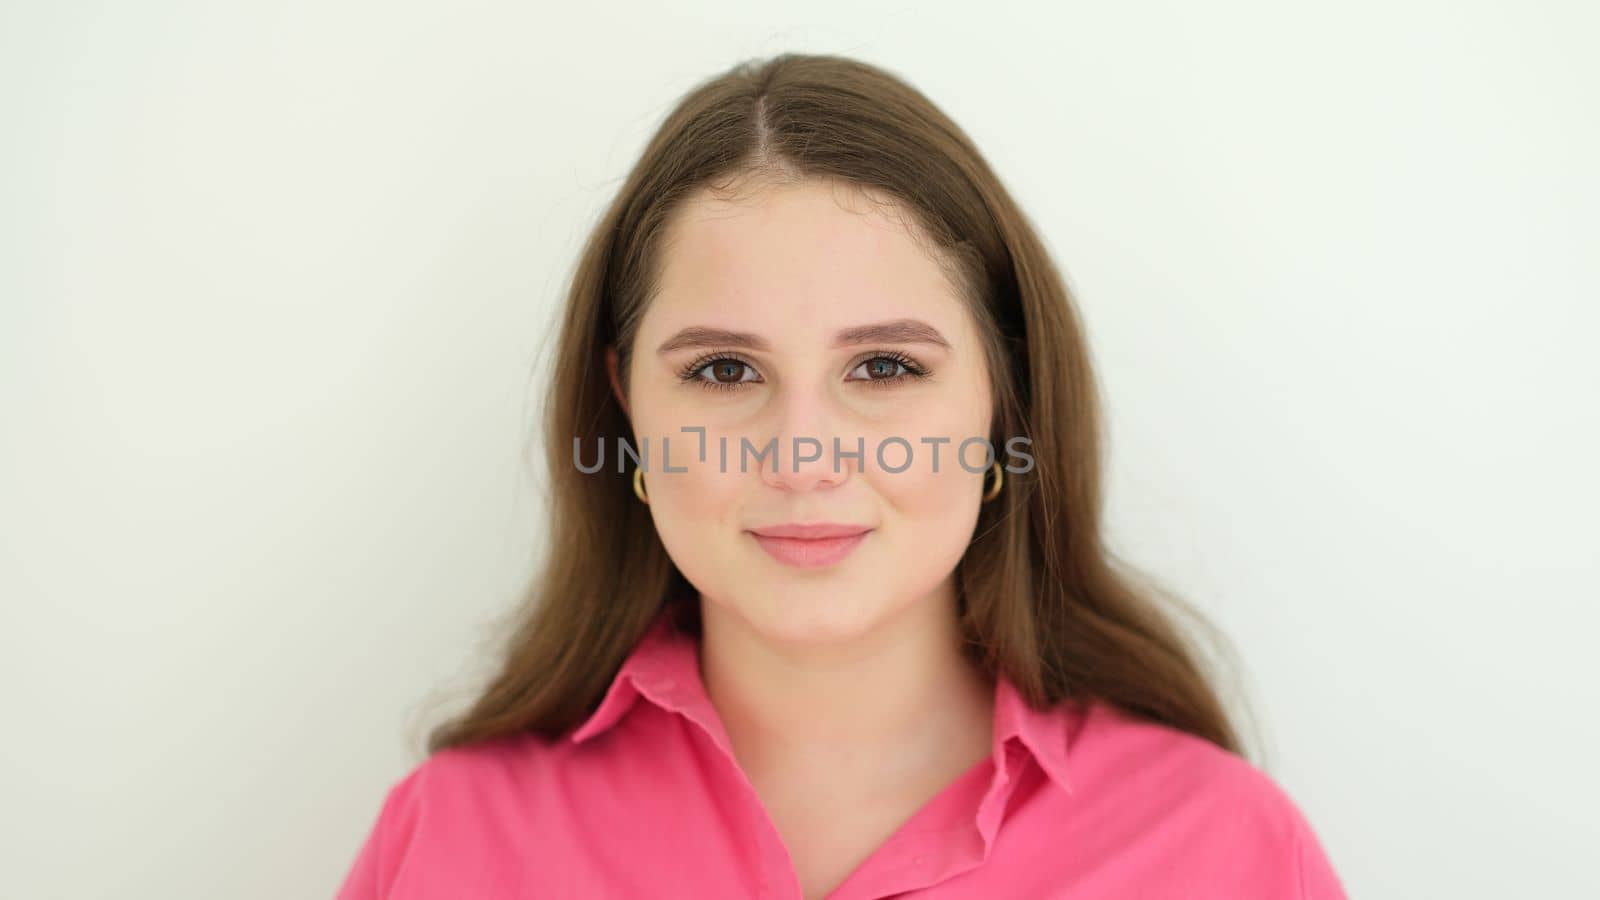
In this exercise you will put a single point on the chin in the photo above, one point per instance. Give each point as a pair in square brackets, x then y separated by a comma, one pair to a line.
[821, 615]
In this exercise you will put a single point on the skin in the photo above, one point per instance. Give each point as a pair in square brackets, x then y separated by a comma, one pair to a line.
[842, 689]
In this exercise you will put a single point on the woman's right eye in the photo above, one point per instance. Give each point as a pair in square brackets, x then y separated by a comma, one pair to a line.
[725, 373]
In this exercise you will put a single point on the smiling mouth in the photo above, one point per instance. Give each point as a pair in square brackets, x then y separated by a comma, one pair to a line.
[810, 552]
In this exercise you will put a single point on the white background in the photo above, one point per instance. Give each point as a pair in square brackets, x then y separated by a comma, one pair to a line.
[276, 281]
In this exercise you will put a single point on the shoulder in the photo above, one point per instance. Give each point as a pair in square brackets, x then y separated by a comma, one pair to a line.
[455, 815]
[1115, 750]
[466, 779]
[1203, 808]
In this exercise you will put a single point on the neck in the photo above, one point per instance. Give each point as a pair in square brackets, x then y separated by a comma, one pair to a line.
[885, 707]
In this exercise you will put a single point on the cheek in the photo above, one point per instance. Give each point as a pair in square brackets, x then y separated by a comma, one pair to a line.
[928, 516]
[702, 499]
[940, 508]
[697, 512]
[933, 514]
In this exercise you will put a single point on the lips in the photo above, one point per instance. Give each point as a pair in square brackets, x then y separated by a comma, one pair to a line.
[815, 531]
[810, 546]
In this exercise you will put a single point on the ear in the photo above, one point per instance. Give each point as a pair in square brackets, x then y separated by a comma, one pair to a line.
[616, 379]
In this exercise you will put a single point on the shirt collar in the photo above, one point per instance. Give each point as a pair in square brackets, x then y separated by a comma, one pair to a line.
[664, 667]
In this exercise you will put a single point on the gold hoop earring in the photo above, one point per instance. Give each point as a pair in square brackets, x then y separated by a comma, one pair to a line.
[999, 479]
[638, 485]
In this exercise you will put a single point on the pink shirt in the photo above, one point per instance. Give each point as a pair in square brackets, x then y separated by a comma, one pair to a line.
[645, 799]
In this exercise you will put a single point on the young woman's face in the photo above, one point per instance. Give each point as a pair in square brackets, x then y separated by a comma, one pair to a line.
[784, 277]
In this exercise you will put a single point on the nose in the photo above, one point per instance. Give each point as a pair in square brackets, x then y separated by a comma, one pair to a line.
[806, 434]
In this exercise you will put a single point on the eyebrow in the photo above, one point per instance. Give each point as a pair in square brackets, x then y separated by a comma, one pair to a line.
[895, 331]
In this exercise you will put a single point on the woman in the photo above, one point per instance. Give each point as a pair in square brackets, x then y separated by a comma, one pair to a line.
[835, 617]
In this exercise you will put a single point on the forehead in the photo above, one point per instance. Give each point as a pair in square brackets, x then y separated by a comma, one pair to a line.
[799, 256]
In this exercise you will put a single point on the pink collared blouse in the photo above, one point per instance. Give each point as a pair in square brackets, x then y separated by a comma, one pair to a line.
[645, 799]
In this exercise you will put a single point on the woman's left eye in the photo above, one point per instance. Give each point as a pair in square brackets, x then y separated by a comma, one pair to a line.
[881, 368]
[888, 369]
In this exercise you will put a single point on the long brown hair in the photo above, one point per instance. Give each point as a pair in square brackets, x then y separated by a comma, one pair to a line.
[1041, 598]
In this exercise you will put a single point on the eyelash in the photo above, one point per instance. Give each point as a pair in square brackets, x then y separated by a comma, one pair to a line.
[691, 372]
